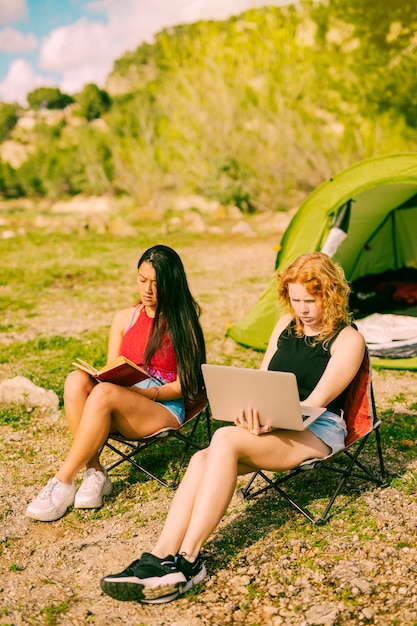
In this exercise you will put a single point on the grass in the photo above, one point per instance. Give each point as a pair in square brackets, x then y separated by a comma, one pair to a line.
[53, 612]
[47, 360]
[58, 294]
[16, 416]
[89, 275]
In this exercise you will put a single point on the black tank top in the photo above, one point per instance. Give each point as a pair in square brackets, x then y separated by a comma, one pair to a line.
[307, 360]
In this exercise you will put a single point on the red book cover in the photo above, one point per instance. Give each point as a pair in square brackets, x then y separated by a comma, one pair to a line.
[121, 371]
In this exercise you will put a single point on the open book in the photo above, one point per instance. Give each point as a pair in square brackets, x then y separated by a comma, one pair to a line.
[121, 371]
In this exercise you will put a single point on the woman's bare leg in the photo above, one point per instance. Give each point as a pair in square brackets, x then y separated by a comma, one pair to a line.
[111, 408]
[181, 508]
[209, 483]
[77, 388]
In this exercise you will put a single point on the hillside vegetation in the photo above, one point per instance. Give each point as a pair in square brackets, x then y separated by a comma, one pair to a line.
[253, 111]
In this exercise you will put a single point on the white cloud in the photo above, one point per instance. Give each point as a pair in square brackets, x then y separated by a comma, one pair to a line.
[219, 9]
[12, 11]
[85, 51]
[82, 52]
[13, 41]
[21, 80]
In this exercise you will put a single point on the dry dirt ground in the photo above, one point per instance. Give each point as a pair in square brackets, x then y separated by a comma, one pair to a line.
[279, 574]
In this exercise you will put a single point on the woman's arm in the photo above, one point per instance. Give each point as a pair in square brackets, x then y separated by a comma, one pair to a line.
[120, 322]
[272, 343]
[347, 353]
[249, 418]
[166, 392]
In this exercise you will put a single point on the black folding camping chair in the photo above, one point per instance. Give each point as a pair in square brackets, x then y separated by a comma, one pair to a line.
[132, 450]
[362, 423]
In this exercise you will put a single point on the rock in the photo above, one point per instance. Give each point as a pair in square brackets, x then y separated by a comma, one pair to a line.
[367, 613]
[322, 614]
[194, 223]
[8, 234]
[270, 611]
[120, 228]
[360, 585]
[185, 203]
[23, 391]
[173, 224]
[242, 228]
[234, 212]
[215, 230]
[83, 204]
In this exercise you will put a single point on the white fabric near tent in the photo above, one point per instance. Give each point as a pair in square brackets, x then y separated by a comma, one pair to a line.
[382, 328]
[389, 335]
[333, 241]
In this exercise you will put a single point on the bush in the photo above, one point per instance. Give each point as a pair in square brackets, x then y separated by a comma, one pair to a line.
[93, 101]
[8, 119]
[48, 98]
[9, 183]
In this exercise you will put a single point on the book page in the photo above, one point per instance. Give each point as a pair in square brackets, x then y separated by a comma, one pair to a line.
[86, 367]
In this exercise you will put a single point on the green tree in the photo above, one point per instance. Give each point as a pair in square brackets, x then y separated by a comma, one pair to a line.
[67, 161]
[8, 119]
[385, 61]
[256, 110]
[48, 98]
[93, 101]
[9, 184]
[30, 177]
[373, 20]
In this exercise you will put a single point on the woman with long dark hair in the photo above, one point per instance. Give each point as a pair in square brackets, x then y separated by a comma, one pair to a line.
[162, 334]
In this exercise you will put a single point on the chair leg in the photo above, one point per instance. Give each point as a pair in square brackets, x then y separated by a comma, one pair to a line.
[131, 460]
[245, 492]
[345, 475]
[137, 449]
[187, 440]
[346, 472]
[208, 424]
[384, 481]
[189, 443]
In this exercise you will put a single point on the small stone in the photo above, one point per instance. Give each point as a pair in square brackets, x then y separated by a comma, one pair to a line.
[367, 613]
[270, 610]
[322, 615]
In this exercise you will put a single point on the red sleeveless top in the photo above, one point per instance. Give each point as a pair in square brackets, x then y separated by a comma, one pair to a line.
[163, 364]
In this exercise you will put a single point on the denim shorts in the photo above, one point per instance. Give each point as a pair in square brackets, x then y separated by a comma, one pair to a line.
[176, 407]
[330, 428]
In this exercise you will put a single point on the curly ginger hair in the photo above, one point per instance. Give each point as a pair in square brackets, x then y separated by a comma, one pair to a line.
[324, 279]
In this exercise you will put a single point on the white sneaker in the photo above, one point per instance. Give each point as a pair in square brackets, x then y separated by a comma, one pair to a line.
[95, 485]
[52, 502]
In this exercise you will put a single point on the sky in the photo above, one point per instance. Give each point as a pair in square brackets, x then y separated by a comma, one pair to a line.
[69, 43]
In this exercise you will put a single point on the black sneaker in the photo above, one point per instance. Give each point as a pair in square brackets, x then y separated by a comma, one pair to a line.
[147, 580]
[193, 572]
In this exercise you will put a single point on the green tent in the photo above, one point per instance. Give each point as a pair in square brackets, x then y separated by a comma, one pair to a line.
[375, 201]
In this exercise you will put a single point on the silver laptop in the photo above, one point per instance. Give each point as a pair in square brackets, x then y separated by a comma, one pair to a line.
[273, 394]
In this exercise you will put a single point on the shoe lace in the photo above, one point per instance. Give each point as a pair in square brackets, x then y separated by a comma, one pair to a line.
[49, 489]
[91, 479]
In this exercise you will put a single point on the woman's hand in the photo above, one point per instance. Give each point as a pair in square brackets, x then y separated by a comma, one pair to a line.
[249, 419]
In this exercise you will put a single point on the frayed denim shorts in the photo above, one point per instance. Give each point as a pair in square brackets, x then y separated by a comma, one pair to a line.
[176, 407]
[331, 429]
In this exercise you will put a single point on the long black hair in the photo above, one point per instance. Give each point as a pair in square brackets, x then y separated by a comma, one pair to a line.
[177, 313]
